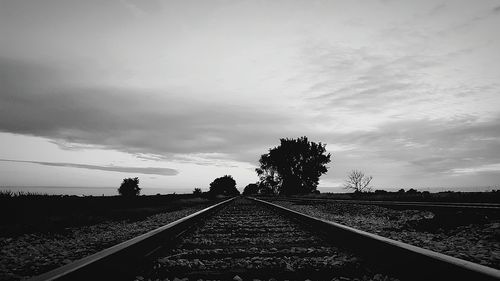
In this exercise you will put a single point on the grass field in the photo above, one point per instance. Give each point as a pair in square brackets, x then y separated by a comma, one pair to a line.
[31, 212]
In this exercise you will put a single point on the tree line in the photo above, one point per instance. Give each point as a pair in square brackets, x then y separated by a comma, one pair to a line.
[293, 167]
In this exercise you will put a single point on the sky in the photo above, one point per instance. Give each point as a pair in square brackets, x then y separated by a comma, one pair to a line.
[179, 93]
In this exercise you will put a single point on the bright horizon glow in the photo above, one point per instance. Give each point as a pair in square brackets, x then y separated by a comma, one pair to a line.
[179, 93]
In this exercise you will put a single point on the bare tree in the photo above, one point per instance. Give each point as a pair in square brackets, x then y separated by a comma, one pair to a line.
[357, 181]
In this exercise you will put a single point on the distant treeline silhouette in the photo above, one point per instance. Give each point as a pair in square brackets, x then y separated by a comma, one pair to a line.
[413, 194]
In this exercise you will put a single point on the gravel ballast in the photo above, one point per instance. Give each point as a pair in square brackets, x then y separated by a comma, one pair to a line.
[248, 241]
[479, 243]
[32, 254]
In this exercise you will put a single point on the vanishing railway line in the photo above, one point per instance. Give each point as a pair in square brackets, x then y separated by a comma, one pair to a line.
[246, 239]
[251, 241]
[491, 208]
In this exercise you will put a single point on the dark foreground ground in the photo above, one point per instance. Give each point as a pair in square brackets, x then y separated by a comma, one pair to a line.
[33, 213]
[40, 233]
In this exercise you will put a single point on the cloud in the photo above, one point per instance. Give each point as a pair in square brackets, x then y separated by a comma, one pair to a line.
[120, 169]
[158, 125]
[142, 8]
[138, 121]
[479, 169]
[374, 83]
[405, 66]
[430, 146]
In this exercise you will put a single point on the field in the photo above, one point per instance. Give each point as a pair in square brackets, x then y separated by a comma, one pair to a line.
[42, 232]
[28, 213]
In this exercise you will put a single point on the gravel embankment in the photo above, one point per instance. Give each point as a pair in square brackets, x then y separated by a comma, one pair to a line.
[246, 241]
[479, 243]
[32, 254]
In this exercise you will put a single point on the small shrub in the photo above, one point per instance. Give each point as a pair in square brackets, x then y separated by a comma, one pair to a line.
[130, 187]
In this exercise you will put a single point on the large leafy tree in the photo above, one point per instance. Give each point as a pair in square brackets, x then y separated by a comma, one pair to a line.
[225, 185]
[129, 187]
[293, 167]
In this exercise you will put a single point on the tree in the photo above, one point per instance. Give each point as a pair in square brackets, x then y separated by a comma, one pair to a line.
[197, 191]
[266, 189]
[129, 187]
[225, 185]
[293, 167]
[251, 189]
[357, 181]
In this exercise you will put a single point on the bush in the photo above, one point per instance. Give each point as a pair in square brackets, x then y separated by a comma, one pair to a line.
[251, 189]
[197, 191]
[130, 187]
[225, 185]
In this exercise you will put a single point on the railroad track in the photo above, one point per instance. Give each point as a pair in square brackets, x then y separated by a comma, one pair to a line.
[492, 208]
[247, 239]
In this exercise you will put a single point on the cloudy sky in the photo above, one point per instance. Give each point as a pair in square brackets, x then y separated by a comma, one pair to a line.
[181, 92]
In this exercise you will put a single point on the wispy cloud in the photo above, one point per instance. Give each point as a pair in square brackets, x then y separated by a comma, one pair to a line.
[120, 169]
[435, 146]
[479, 169]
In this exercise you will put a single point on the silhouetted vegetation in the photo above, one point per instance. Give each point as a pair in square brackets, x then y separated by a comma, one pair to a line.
[251, 189]
[422, 196]
[24, 212]
[412, 191]
[225, 185]
[358, 181]
[11, 194]
[293, 167]
[267, 189]
[130, 187]
[197, 191]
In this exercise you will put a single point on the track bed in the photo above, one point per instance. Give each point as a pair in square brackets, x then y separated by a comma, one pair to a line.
[246, 241]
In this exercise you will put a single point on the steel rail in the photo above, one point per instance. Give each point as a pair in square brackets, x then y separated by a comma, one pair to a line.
[118, 261]
[442, 205]
[410, 261]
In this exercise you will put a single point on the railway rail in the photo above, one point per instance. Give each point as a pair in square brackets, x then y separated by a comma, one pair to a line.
[491, 208]
[247, 239]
